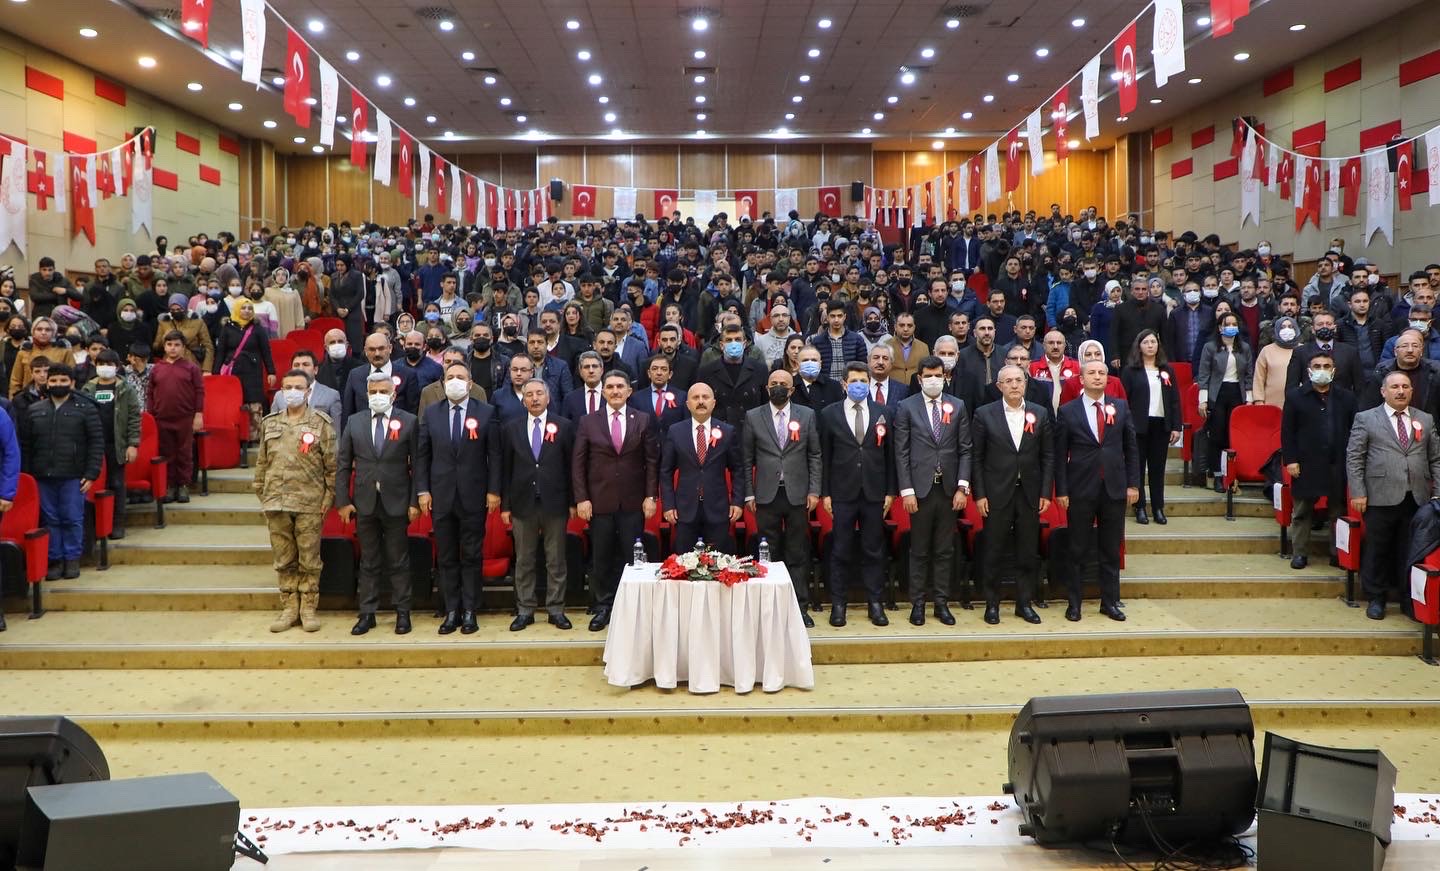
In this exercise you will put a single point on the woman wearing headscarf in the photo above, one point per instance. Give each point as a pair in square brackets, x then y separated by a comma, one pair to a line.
[1089, 350]
[244, 351]
[347, 294]
[1272, 364]
[282, 296]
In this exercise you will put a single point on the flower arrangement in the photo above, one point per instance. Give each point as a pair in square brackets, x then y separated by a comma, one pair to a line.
[706, 564]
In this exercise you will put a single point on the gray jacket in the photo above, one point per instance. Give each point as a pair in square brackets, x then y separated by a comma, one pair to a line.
[917, 454]
[1377, 469]
[1212, 369]
[322, 398]
[765, 459]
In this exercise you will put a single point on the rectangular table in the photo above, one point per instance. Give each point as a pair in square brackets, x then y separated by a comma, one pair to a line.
[705, 634]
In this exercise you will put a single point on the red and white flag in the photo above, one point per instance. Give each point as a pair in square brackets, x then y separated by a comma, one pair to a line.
[1405, 173]
[40, 183]
[12, 197]
[665, 201]
[512, 216]
[441, 184]
[952, 192]
[82, 212]
[829, 199]
[297, 78]
[976, 187]
[1128, 88]
[1012, 160]
[359, 110]
[1224, 14]
[745, 205]
[1060, 122]
[1307, 204]
[406, 169]
[105, 174]
[1168, 41]
[1286, 172]
[491, 199]
[582, 200]
[470, 196]
[252, 26]
[867, 203]
[1352, 179]
[195, 23]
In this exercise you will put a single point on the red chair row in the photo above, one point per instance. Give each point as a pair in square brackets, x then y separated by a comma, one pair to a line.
[25, 545]
[220, 445]
[150, 471]
[1254, 439]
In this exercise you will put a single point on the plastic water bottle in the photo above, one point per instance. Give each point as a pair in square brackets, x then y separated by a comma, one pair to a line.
[699, 545]
[764, 552]
[637, 556]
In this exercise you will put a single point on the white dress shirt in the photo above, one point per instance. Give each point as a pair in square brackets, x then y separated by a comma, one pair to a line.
[1015, 419]
[850, 407]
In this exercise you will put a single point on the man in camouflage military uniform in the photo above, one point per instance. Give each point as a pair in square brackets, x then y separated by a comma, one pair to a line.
[295, 479]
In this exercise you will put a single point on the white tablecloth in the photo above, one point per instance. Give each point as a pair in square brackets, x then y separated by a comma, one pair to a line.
[706, 634]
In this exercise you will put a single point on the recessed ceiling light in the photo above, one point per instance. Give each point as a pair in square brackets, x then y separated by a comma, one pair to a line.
[610, 117]
[782, 131]
[583, 54]
[603, 100]
[952, 23]
[1202, 21]
[824, 23]
[410, 101]
[489, 80]
[382, 80]
[521, 119]
[1296, 28]
[572, 24]
[1013, 77]
[865, 130]
[237, 55]
[699, 54]
[1155, 101]
[927, 53]
[1242, 56]
[315, 25]
[270, 125]
[299, 140]
[1077, 22]
[966, 116]
[430, 119]
[236, 107]
[318, 149]
[467, 56]
[195, 86]
[907, 78]
[1042, 52]
[1122, 119]
[447, 25]
[700, 133]
[878, 116]
[700, 116]
[1197, 80]
[988, 98]
[937, 144]
[699, 98]
[699, 23]
[796, 99]
[789, 116]
[892, 99]
[148, 62]
[504, 101]
[89, 32]
[616, 131]
[449, 134]
[595, 79]
[805, 78]
[814, 52]
[1116, 75]
[352, 55]
[1073, 143]
[949, 131]
[699, 79]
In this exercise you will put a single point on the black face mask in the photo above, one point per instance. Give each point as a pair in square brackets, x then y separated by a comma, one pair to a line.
[508, 332]
[779, 395]
[414, 354]
[18, 334]
[462, 325]
[1324, 334]
[434, 343]
[1069, 323]
[57, 391]
[872, 326]
[481, 345]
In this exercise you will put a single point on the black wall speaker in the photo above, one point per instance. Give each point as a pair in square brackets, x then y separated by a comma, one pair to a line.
[557, 189]
[154, 138]
[1323, 808]
[1131, 766]
[857, 191]
[40, 751]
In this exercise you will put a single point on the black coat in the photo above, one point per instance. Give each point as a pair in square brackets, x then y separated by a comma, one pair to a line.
[1348, 373]
[818, 396]
[737, 388]
[533, 488]
[458, 476]
[251, 357]
[996, 464]
[1137, 391]
[65, 441]
[1129, 318]
[857, 472]
[1083, 466]
[393, 470]
[1314, 434]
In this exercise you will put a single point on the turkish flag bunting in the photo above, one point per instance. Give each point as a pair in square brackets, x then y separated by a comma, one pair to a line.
[512, 218]
[470, 204]
[951, 192]
[1237, 137]
[105, 175]
[869, 203]
[1224, 14]
[582, 200]
[1286, 172]
[127, 170]
[492, 206]
[1405, 173]
[1307, 207]
[1129, 90]
[297, 78]
[829, 199]
[745, 205]
[195, 21]
[440, 185]
[406, 167]
[1012, 160]
[977, 185]
[1060, 123]
[1350, 180]
[359, 119]
[82, 212]
[930, 210]
[40, 182]
[665, 203]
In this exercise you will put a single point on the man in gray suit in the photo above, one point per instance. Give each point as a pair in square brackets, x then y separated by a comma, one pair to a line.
[322, 398]
[378, 447]
[1392, 464]
[780, 445]
[932, 460]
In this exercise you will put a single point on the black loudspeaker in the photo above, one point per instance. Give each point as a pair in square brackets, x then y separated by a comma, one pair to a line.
[154, 138]
[40, 751]
[179, 822]
[1323, 808]
[557, 189]
[857, 191]
[1134, 767]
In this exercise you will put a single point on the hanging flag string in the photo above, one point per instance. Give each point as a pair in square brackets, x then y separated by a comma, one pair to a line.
[1260, 138]
[128, 140]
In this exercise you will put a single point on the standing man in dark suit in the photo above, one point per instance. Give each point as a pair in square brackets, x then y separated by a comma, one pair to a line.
[1097, 474]
[1013, 463]
[1349, 374]
[701, 504]
[737, 378]
[535, 478]
[615, 471]
[781, 452]
[584, 399]
[659, 399]
[356, 397]
[379, 448]
[812, 389]
[683, 366]
[1314, 428]
[458, 481]
[884, 389]
[858, 487]
[932, 464]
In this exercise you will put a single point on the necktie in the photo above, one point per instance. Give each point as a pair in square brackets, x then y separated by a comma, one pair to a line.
[780, 428]
[659, 401]
[615, 437]
[1099, 422]
[455, 416]
[935, 418]
[535, 438]
[1401, 432]
[379, 433]
[591, 406]
[859, 423]
[879, 394]
[701, 442]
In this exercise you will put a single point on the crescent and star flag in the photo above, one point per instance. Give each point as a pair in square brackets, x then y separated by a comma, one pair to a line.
[829, 199]
[868, 203]
[1224, 14]
[512, 218]
[195, 22]
[441, 185]
[1060, 123]
[82, 212]
[665, 202]
[1128, 89]
[359, 110]
[1012, 160]
[952, 190]
[1307, 179]
[745, 205]
[470, 193]
[582, 200]
[976, 187]
[1286, 172]
[105, 174]
[1168, 41]
[1352, 180]
[1405, 173]
[492, 205]
[39, 182]
[297, 78]
[407, 164]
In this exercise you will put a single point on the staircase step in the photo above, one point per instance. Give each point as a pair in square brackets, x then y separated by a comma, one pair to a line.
[217, 509]
[231, 544]
[1211, 535]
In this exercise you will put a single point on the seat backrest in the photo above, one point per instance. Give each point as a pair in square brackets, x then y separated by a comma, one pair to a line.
[421, 527]
[149, 440]
[1184, 377]
[497, 544]
[1190, 406]
[309, 339]
[281, 350]
[1255, 437]
[324, 325]
[899, 516]
[24, 515]
[224, 398]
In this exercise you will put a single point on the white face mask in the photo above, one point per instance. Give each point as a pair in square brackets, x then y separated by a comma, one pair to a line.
[957, 285]
[211, 307]
[106, 372]
[128, 316]
[948, 363]
[1286, 335]
[1263, 250]
[82, 356]
[380, 403]
[931, 385]
[1091, 273]
[456, 389]
[294, 398]
[1373, 278]
[1211, 292]
[337, 351]
[1192, 296]
[234, 290]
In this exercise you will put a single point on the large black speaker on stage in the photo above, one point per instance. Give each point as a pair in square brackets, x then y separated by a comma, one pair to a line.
[857, 191]
[557, 189]
[40, 751]
[1133, 766]
[179, 822]
[1323, 808]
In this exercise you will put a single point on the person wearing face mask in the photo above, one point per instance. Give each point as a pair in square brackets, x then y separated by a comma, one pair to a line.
[1272, 364]
[295, 474]
[244, 351]
[1087, 288]
[62, 445]
[1226, 367]
[1363, 329]
[1191, 324]
[120, 409]
[1314, 430]
[426, 370]
[1345, 359]
[337, 361]
[1421, 318]
[321, 397]
[1139, 312]
[874, 332]
[42, 343]
[198, 346]
[738, 379]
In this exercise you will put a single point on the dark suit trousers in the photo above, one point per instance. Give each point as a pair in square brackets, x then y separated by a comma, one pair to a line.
[384, 552]
[787, 528]
[1385, 568]
[1154, 450]
[460, 542]
[1011, 530]
[715, 535]
[932, 547]
[871, 520]
[612, 539]
[549, 528]
[1100, 522]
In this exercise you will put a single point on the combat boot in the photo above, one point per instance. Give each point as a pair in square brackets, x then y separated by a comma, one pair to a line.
[289, 612]
[308, 618]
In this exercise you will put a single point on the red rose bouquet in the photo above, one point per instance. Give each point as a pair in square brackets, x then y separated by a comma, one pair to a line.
[709, 565]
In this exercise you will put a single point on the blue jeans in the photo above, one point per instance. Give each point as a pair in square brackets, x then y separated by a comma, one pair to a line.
[62, 509]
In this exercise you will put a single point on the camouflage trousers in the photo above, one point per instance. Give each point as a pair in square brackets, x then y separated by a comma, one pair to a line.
[295, 543]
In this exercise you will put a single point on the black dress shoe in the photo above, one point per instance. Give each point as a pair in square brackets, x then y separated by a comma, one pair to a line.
[917, 614]
[992, 613]
[559, 621]
[452, 622]
[1072, 613]
[942, 613]
[468, 626]
[1299, 561]
[1027, 613]
[806, 618]
[1376, 611]
[600, 620]
[117, 534]
[1113, 612]
[1159, 515]
[52, 573]
[877, 614]
[1334, 562]
[521, 621]
[402, 622]
[837, 614]
[71, 569]
[363, 625]
[1140, 516]
[1219, 485]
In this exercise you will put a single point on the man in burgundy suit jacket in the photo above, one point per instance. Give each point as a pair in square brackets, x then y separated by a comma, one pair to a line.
[607, 483]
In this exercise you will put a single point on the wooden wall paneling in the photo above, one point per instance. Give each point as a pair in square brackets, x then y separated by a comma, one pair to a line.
[702, 168]
[484, 166]
[517, 170]
[656, 166]
[799, 166]
[609, 167]
[889, 169]
[273, 183]
[305, 195]
[843, 163]
[349, 192]
[389, 206]
[1049, 187]
[752, 167]
[1085, 185]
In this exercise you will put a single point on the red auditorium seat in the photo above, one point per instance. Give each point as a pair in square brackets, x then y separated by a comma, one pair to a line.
[25, 544]
[220, 443]
[1254, 439]
[149, 471]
